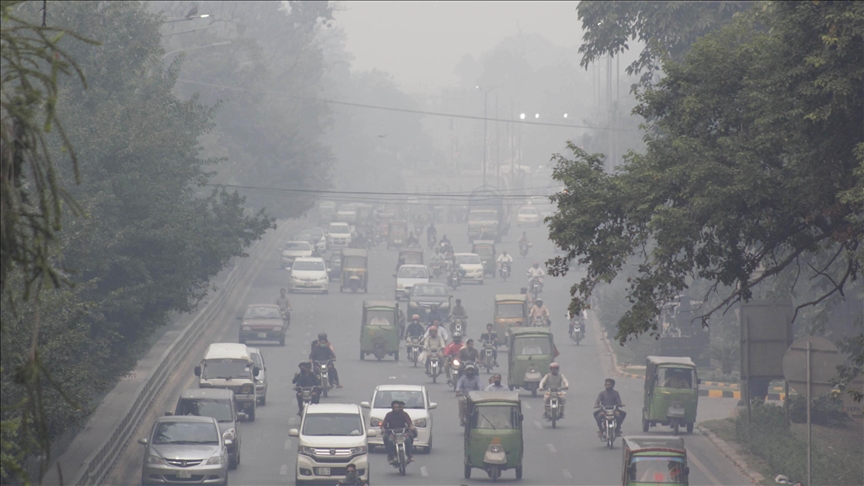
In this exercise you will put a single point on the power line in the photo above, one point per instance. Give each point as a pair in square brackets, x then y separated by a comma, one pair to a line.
[418, 195]
[404, 110]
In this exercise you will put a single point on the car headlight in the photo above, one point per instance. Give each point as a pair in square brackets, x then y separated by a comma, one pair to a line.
[296, 278]
[217, 459]
[358, 450]
[420, 422]
[247, 328]
[375, 422]
[322, 277]
[152, 459]
[259, 381]
[246, 389]
[307, 451]
[400, 286]
[228, 435]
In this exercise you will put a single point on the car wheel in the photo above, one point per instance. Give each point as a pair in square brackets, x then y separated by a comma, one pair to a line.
[263, 402]
[252, 415]
[428, 449]
[232, 463]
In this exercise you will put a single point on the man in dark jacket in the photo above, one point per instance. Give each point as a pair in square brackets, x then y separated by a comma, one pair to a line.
[398, 418]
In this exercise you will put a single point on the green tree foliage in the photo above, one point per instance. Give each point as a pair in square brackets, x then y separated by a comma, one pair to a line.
[752, 155]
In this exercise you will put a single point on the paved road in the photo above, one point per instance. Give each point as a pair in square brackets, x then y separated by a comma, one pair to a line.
[570, 454]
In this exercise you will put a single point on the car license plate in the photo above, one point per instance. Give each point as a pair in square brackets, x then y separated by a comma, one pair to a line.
[184, 474]
[262, 334]
[323, 471]
[307, 284]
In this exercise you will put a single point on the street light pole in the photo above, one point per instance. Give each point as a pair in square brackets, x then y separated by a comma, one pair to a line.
[485, 136]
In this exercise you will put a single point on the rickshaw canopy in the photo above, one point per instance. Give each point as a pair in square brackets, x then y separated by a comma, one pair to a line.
[351, 256]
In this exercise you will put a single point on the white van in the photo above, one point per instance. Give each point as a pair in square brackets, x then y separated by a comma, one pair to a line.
[331, 436]
[338, 235]
[230, 366]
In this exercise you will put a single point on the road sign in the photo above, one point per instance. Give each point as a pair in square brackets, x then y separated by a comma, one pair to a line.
[824, 360]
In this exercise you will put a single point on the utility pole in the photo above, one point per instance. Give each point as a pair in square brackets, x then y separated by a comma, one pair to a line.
[497, 147]
[485, 136]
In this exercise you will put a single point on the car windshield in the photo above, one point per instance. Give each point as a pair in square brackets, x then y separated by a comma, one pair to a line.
[527, 346]
[185, 433]
[483, 216]
[674, 378]
[379, 317]
[262, 313]
[412, 399]
[225, 369]
[354, 262]
[468, 259]
[297, 246]
[206, 407]
[316, 232]
[495, 417]
[658, 469]
[427, 290]
[308, 266]
[528, 211]
[319, 424]
[484, 251]
[340, 229]
[412, 272]
[509, 310]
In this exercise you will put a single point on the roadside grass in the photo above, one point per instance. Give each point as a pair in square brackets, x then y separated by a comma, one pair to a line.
[725, 429]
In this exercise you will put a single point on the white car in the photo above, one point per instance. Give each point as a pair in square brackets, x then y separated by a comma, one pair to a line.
[295, 249]
[331, 436]
[528, 215]
[473, 266]
[407, 276]
[309, 275]
[320, 238]
[338, 235]
[417, 405]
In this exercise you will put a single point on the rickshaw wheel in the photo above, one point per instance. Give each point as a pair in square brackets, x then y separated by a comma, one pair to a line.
[533, 392]
[495, 473]
[396, 356]
[467, 472]
[675, 427]
[645, 425]
[518, 472]
[362, 355]
[690, 428]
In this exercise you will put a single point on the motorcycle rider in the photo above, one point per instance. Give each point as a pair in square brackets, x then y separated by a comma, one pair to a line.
[305, 378]
[523, 240]
[535, 272]
[398, 418]
[431, 233]
[491, 336]
[284, 306]
[459, 312]
[495, 384]
[574, 320]
[452, 352]
[322, 350]
[435, 314]
[444, 240]
[351, 477]
[412, 240]
[469, 381]
[609, 398]
[469, 354]
[539, 311]
[503, 258]
[554, 379]
[433, 342]
[441, 329]
[415, 329]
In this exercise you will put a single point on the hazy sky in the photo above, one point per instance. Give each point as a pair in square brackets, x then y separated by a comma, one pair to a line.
[421, 42]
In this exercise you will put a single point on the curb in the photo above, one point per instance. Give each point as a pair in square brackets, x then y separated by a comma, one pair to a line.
[731, 454]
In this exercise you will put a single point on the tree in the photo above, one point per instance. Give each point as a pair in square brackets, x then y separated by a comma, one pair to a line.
[752, 164]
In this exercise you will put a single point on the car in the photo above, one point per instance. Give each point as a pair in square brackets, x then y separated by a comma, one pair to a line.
[407, 276]
[220, 404]
[309, 275]
[338, 235]
[417, 405]
[347, 213]
[261, 377]
[185, 449]
[295, 249]
[315, 237]
[473, 266]
[331, 436]
[528, 215]
[335, 265]
[262, 322]
[423, 296]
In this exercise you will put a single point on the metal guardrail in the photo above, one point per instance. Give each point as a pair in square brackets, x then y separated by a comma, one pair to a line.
[101, 461]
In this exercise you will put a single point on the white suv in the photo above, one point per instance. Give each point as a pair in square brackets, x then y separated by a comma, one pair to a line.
[331, 436]
[338, 235]
[417, 405]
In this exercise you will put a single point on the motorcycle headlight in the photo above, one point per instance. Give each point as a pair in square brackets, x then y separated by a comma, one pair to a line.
[456, 362]
[217, 459]
[375, 422]
[358, 450]
[420, 422]
[152, 459]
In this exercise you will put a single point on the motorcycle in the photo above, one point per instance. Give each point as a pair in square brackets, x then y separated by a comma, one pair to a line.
[504, 272]
[552, 411]
[523, 248]
[454, 372]
[430, 240]
[399, 438]
[437, 269]
[610, 426]
[454, 279]
[540, 321]
[458, 324]
[286, 318]
[535, 286]
[413, 346]
[576, 331]
[322, 369]
[307, 392]
[445, 247]
[488, 356]
[434, 364]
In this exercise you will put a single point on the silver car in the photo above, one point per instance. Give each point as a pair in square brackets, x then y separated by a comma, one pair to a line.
[183, 450]
[261, 377]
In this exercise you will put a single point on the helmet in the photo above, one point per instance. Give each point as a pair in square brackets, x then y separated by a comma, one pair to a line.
[539, 301]
[554, 365]
[470, 367]
[415, 317]
[322, 336]
[457, 335]
[303, 364]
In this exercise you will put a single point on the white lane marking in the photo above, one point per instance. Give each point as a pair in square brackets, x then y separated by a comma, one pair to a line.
[704, 470]
[537, 425]
[527, 405]
[287, 444]
[391, 377]
[283, 471]
[551, 448]
[424, 472]
[566, 474]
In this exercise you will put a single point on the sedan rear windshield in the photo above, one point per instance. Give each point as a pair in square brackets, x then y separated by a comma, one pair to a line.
[297, 245]
[206, 407]
[185, 433]
[322, 424]
[308, 266]
[262, 313]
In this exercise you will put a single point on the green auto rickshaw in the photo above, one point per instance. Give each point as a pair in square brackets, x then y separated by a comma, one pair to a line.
[493, 433]
[511, 310]
[485, 249]
[671, 393]
[354, 272]
[379, 332]
[397, 234]
[654, 459]
[531, 351]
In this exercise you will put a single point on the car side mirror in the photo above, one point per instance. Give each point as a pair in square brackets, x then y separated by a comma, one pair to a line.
[169, 413]
[433, 406]
[197, 371]
[143, 441]
[371, 433]
[229, 442]
[256, 370]
[364, 405]
[293, 433]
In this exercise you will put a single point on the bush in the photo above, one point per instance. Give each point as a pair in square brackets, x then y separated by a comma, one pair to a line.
[825, 410]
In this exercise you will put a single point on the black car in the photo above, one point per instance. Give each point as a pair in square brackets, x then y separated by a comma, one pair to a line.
[424, 295]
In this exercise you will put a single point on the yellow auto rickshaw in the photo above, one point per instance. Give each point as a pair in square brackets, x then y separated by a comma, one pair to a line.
[354, 272]
[511, 310]
[654, 459]
[671, 393]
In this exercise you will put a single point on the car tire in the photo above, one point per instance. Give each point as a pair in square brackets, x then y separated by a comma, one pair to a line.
[252, 415]
[282, 340]
[232, 463]
[428, 449]
[262, 401]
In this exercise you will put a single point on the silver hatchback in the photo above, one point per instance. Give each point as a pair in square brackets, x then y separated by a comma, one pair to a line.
[183, 450]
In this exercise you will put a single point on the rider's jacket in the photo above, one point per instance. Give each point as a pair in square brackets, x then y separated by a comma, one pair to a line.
[305, 380]
[608, 398]
[539, 311]
[469, 355]
[452, 349]
[431, 231]
[433, 315]
[468, 383]
[489, 336]
[505, 258]
[536, 272]
[458, 311]
[552, 381]
[434, 342]
[283, 303]
[396, 420]
[415, 329]
[320, 353]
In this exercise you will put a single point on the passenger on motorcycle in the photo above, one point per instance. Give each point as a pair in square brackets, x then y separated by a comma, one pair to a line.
[322, 350]
[415, 329]
[539, 311]
[469, 381]
[441, 329]
[490, 336]
[304, 379]
[434, 314]
[433, 342]
[452, 352]
[609, 398]
[397, 418]
[554, 379]
[284, 306]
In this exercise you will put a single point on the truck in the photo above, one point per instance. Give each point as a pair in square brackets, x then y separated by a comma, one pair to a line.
[487, 215]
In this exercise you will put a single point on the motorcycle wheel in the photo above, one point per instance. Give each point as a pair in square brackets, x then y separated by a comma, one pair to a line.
[533, 392]
[467, 472]
[518, 472]
[494, 473]
[325, 392]
[434, 379]
[402, 463]
[554, 422]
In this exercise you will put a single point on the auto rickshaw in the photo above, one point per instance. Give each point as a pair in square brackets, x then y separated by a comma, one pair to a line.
[486, 250]
[511, 310]
[654, 459]
[493, 433]
[397, 234]
[384, 224]
[379, 332]
[411, 256]
[532, 350]
[671, 393]
[354, 274]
